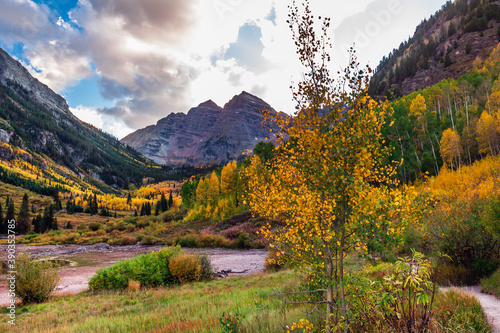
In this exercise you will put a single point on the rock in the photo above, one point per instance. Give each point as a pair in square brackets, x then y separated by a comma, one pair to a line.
[5, 136]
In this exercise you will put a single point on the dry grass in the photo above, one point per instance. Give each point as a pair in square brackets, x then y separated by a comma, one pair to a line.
[134, 285]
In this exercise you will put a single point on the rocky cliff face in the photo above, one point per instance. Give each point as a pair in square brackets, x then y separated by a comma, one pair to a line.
[447, 45]
[12, 72]
[206, 135]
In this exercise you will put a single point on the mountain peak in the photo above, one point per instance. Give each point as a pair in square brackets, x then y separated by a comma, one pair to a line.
[208, 104]
[208, 135]
[12, 70]
[243, 99]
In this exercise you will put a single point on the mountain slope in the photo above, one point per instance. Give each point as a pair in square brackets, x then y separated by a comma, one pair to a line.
[38, 131]
[445, 46]
[206, 135]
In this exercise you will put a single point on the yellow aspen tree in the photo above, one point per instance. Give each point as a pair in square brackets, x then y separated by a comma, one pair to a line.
[228, 178]
[202, 191]
[418, 108]
[213, 187]
[487, 135]
[494, 102]
[451, 148]
[318, 177]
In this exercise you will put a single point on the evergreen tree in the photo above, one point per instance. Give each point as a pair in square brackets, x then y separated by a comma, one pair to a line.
[1, 218]
[48, 218]
[37, 224]
[94, 208]
[55, 226]
[23, 219]
[70, 207]
[33, 209]
[135, 213]
[10, 215]
[163, 203]
[57, 200]
[447, 60]
[129, 199]
[69, 226]
[157, 209]
[170, 200]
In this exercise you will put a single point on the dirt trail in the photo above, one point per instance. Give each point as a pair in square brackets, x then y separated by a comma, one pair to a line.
[90, 258]
[490, 304]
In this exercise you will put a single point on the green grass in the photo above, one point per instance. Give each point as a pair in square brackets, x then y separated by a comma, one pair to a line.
[195, 307]
[491, 285]
[198, 307]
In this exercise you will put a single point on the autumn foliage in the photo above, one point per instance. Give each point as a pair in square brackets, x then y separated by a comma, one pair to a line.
[328, 181]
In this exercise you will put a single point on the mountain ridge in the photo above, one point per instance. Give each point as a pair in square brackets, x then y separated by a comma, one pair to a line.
[12, 70]
[447, 45]
[38, 130]
[206, 135]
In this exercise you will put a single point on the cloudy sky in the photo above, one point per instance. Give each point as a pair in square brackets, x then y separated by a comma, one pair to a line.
[125, 64]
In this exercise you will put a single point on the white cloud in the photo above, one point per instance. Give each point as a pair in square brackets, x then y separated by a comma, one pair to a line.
[107, 123]
[154, 57]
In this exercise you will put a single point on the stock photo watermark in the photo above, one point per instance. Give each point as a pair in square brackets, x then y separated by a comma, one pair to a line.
[380, 19]
[222, 7]
[11, 271]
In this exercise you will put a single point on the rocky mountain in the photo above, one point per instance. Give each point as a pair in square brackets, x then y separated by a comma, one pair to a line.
[12, 72]
[207, 135]
[449, 44]
[41, 139]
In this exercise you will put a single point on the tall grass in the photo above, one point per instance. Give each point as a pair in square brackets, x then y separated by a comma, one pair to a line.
[491, 285]
[199, 307]
[196, 307]
[458, 312]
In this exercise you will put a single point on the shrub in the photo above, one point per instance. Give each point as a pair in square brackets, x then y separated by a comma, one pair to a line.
[491, 285]
[208, 240]
[464, 233]
[131, 220]
[100, 232]
[185, 268]
[188, 241]
[82, 228]
[128, 240]
[207, 270]
[150, 270]
[94, 226]
[142, 223]
[173, 215]
[121, 226]
[273, 262]
[448, 274]
[72, 238]
[245, 241]
[35, 279]
[148, 240]
[400, 302]
[130, 227]
[134, 285]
